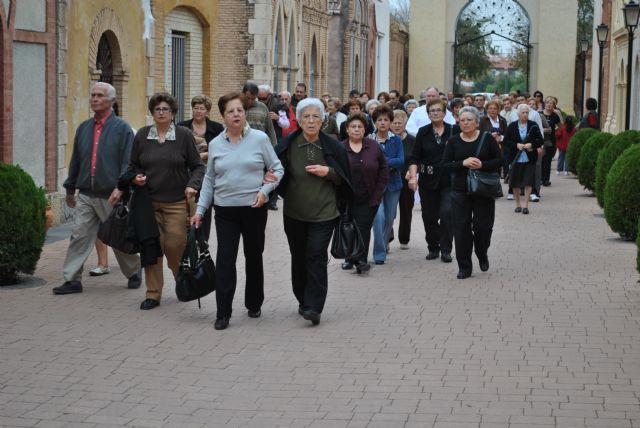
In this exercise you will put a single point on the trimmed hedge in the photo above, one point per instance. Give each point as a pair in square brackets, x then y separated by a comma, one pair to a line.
[621, 194]
[22, 223]
[575, 145]
[588, 156]
[608, 156]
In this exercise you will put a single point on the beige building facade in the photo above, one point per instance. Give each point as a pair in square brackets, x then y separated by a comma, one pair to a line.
[431, 48]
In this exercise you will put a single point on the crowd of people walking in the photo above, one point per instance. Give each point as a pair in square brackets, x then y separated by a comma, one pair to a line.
[363, 160]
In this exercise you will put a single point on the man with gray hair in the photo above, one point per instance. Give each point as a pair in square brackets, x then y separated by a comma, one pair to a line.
[101, 152]
[257, 113]
[419, 116]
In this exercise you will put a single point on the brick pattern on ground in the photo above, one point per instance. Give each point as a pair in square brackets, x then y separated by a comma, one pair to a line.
[548, 337]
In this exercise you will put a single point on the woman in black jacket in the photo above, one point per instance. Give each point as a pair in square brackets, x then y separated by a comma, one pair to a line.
[434, 187]
[523, 140]
[316, 188]
[472, 216]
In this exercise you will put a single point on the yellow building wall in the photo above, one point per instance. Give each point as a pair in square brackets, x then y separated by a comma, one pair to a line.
[80, 20]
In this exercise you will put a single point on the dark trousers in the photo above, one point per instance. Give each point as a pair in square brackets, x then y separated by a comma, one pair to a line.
[405, 203]
[308, 243]
[363, 215]
[436, 217]
[472, 224]
[231, 223]
[206, 223]
[549, 153]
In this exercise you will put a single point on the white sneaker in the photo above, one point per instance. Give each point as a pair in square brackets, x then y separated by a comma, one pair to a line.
[99, 270]
[510, 196]
[566, 173]
[557, 172]
[404, 246]
[534, 198]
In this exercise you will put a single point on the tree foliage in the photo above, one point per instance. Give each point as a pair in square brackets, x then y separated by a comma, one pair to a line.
[472, 54]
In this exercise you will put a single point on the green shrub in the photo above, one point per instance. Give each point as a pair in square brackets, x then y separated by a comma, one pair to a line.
[22, 223]
[575, 145]
[622, 195]
[608, 156]
[588, 156]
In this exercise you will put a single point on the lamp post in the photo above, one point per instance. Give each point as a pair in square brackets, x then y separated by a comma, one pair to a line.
[584, 47]
[631, 13]
[602, 31]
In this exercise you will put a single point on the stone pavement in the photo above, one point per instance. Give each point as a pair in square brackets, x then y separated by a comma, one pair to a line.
[548, 337]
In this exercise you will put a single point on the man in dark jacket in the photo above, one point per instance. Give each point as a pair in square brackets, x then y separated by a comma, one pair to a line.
[101, 151]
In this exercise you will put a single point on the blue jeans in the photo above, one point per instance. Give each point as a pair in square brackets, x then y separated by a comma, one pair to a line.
[383, 223]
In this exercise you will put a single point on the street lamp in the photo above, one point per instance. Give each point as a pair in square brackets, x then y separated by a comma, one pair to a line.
[584, 47]
[631, 13]
[602, 31]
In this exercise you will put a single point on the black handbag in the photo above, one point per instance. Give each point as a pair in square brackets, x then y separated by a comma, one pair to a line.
[347, 241]
[197, 273]
[113, 231]
[483, 183]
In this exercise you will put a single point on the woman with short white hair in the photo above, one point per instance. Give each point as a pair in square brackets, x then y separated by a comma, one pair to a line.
[316, 188]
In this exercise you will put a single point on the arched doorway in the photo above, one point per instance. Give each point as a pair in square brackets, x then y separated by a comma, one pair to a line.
[492, 52]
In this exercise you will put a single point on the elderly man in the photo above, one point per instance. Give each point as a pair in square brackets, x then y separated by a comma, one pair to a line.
[420, 118]
[266, 97]
[101, 151]
[285, 101]
[257, 113]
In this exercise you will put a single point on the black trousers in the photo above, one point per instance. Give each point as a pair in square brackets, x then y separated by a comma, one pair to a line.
[405, 203]
[549, 153]
[363, 215]
[473, 218]
[231, 223]
[308, 243]
[436, 217]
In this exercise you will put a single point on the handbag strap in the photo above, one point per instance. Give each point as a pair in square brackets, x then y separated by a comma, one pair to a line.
[484, 135]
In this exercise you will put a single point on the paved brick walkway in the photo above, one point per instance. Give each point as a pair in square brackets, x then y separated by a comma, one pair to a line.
[548, 337]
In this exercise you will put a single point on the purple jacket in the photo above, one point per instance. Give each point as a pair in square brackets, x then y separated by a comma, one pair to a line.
[375, 170]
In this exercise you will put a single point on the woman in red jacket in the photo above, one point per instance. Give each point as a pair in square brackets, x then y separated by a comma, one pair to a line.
[563, 136]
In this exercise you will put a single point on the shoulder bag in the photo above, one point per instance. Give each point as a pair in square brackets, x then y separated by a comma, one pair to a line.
[347, 241]
[113, 231]
[197, 273]
[483, 183]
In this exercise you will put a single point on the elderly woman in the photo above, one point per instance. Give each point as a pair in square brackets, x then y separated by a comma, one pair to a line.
[316, 188]
[369, 175]
[392, 147]
[370, 106]
[495, 125]
[472, 216]
[166, 161]
[435, 187]
[204, 130]
[455, 105]
[410, 106]
[239, 157]
[407, 195]
[523, 138]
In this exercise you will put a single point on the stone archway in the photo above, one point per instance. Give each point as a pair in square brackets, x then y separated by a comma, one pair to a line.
[107, 28]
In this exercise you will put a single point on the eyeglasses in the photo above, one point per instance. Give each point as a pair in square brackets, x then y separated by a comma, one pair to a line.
[162, 110]
[436, 110]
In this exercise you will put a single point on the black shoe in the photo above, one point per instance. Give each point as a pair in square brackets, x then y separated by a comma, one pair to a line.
[464, 274]
[273, 207]
[432, 255]
[484, 265]
[254, 314]
[379, 262]
[518, 210]
[446, 257]
[149, 304]
[300, 310]
[221, 323]
[347, 265]
[311, 315]
[362, 267]
[68, 287]
[525, 211]
[134, 281]
[546, 184]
